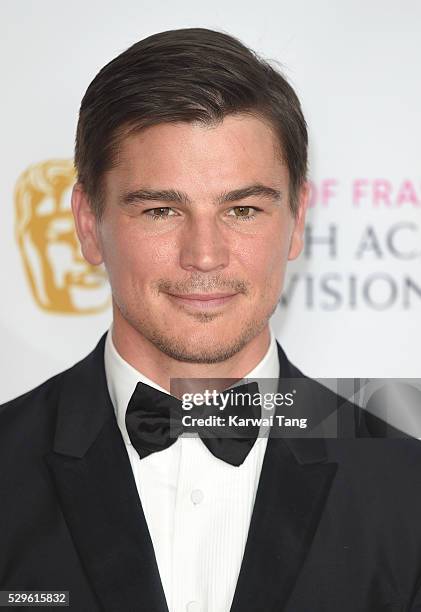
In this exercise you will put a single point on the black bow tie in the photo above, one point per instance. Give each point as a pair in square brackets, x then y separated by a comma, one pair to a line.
[154, 421]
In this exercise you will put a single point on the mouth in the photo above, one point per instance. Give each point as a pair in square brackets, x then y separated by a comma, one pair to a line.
[202, 301]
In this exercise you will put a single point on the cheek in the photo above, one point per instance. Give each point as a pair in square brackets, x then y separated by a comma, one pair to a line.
[265, 260]
[270, 272]
[132, 259]
[120, 253]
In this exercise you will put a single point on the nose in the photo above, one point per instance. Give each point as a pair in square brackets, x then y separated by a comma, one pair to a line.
[203, 246]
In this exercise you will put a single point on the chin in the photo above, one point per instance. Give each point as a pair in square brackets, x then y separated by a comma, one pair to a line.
[204, 346]
[203, 354]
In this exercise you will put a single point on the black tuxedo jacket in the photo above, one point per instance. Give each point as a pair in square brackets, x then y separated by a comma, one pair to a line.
[336, 525]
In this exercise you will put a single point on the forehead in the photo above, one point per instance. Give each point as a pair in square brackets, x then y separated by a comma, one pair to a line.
[188, 156]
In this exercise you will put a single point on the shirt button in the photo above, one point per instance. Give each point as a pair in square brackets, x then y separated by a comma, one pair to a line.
[196, 497]
[193, 606]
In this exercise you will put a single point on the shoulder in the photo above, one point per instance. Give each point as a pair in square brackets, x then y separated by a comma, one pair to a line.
[30, 408]
[28, 422]
[35, 406]
[27, 425]
[347, 412]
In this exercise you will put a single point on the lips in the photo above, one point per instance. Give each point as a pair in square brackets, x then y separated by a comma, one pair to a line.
[202, 296]
[203, 300]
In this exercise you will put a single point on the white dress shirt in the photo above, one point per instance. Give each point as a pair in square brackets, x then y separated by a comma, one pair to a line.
[197, 507]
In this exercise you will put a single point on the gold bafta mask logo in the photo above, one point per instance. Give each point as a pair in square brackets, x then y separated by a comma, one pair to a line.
[61, 280]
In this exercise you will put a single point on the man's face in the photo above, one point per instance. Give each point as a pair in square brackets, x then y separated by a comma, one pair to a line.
[193, 213]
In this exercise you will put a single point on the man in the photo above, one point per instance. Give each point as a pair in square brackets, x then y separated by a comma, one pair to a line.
[191, 155]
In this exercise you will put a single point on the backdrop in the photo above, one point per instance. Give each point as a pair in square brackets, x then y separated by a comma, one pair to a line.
[351, 304]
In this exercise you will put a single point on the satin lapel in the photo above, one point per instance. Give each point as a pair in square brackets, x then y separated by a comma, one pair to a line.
[289, 502]
[98, 495]
[294, 484]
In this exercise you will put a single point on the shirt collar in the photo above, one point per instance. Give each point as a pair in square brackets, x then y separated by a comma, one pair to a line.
[122, 377]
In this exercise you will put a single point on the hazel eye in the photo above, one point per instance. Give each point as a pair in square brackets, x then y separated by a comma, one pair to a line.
[243, 212]
[160, 213]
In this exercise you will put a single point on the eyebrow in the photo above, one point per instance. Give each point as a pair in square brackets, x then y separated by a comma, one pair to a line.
[179, 197]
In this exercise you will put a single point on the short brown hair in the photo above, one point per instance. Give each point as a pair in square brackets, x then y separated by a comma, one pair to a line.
[191, 74]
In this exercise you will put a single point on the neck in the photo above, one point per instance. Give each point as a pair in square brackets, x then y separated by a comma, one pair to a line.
[145, 357]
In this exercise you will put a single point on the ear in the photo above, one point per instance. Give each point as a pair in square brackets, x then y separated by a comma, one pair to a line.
[297, 236]
[86, 226]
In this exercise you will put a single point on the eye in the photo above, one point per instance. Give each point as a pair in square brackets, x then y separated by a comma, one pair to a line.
[160, 213]
[243, 212]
